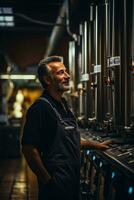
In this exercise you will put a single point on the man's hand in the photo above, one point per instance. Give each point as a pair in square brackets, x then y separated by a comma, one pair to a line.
[34, 160]
[95, 145]
[104, 145]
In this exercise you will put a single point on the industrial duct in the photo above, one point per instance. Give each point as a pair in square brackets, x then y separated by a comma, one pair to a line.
[64, 21]
[57, 30]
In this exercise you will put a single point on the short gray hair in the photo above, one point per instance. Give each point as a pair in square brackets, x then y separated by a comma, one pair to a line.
[43, 69]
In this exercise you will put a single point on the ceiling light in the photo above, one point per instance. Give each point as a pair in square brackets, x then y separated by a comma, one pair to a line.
[2, 18]
[9, 23]
[9, 18]
[6, 17]
[18, 76]
[6, 10]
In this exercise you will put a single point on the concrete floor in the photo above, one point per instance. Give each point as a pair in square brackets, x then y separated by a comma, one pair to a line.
[17, 181]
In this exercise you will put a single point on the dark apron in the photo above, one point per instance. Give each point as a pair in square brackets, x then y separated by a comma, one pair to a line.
[62, 161]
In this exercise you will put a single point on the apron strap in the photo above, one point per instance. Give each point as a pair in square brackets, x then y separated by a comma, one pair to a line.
[54, 109]
[56, 112]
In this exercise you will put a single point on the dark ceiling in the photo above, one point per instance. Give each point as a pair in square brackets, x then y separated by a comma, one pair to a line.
[34, 33]
[39, 29]
[30, 15]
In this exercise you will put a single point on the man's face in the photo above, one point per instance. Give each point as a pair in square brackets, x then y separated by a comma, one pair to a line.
[60, 77]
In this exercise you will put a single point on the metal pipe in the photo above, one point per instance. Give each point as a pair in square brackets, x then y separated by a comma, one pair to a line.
[107, 29]
[125, 63]
[85, 47]
[72, 65]
[96, 36]
[96, 59]
[107, 17]
[57, 30]
[113, 28]
[132, 30]
[85, 95]
[81, 64]
[113, 72]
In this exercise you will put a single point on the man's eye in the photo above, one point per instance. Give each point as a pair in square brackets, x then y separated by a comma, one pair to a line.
[61, 72]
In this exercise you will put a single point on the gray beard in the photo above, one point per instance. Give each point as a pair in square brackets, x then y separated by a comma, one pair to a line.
[61, 87]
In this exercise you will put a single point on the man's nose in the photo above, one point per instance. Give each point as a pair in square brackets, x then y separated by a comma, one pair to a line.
[67, 75]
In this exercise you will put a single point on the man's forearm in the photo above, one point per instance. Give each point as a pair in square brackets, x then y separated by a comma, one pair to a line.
[34, 161]
[85, 144]
[89, 144]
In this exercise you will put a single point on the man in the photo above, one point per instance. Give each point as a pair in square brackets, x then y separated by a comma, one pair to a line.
[51, 139]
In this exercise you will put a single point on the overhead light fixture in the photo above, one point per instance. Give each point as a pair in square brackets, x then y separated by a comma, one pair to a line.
[9, 18]
[7, 24]
[6, 10]
[18, 76]
[6, 17]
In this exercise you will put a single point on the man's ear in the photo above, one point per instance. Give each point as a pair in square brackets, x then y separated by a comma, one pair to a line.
[47, 80]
